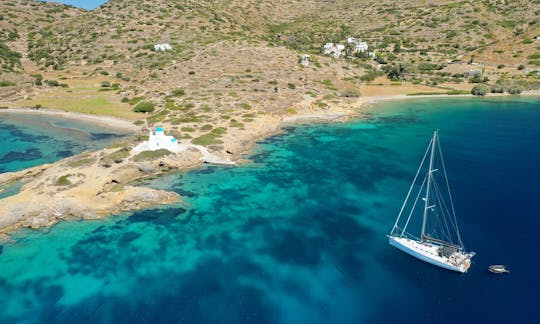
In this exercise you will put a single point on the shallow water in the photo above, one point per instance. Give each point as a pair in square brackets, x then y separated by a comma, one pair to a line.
[298, 236]
[30, 140]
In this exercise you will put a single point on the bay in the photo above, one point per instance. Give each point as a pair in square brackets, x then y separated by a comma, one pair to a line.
[299, 234]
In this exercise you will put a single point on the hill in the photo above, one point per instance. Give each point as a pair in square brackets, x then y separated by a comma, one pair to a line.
[232, 62]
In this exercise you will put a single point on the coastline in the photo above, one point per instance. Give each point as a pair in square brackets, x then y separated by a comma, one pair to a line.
[98, 191]
[101, 120]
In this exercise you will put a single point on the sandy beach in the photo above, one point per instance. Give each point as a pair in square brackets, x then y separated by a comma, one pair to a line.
[106, 121]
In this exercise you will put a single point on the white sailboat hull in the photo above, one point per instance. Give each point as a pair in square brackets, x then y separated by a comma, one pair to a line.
[428, 252]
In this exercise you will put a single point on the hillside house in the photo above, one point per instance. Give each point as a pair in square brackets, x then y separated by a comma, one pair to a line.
[361, 47]
[304, 59]
[334, 50]
[328, 47]
[351, 40]
[162, 47]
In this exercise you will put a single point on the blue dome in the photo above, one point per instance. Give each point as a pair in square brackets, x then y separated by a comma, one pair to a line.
[173, 139]
[159, 129]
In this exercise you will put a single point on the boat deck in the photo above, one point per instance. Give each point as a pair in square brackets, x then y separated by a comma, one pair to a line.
[430, 253]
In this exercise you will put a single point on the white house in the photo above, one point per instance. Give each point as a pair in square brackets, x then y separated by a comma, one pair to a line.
[328, 47]
[162, 47]
[158, 140]
[304, 59]
[334, 50]
[351, 40]
[361, 47]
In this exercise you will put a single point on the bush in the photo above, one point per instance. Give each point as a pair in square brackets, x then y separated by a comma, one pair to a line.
[351, 93]
[63, 180]
[497, 88]
[6, 83]
[52, 83]
[476, 79]
[145, 106]
[515, 89]
[178, 92]
[521, 67]
[120, 155]
[480, 90]
[105, 84]
[151, 155]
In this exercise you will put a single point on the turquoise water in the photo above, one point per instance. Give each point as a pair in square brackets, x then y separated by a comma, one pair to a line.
[30, 140]
[298, 235]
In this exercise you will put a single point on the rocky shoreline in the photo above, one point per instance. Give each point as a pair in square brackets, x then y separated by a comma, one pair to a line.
[98, 184]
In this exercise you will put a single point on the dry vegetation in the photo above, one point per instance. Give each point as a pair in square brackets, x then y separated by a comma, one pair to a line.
[233, 62]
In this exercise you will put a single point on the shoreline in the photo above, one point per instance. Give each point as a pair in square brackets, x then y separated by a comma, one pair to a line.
[98, 190]
[100, 120]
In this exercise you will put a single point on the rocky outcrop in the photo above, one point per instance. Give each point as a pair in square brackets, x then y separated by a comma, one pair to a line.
[61, 191]
[37, 213]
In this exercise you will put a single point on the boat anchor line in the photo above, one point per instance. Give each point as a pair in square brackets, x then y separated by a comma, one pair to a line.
[438, 216]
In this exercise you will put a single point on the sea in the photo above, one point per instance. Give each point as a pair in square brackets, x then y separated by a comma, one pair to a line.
[298, 234]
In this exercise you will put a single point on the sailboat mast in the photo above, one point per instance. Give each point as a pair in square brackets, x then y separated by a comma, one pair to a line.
[428, 187]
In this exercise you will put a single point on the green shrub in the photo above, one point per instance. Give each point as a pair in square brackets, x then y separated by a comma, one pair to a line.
[480, 90]
[210, 138]
[105, 84]
[119, 155]
[81, 162]
[497, 88]
[6, 83]
[151, 155]
[515, 89]
[145, 106]
[457, 92]
[63, 180]
[351, 93]
[178, 92]
[52, 83]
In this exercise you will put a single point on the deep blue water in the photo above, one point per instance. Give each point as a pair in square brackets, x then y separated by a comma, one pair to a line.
[298, 235]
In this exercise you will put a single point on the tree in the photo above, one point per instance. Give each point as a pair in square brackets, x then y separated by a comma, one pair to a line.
[480, 90]
[395, 71]
[145, 106]
[497, 88]
[515, 89]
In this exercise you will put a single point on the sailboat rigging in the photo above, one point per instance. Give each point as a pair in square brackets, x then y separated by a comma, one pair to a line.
[439, 242]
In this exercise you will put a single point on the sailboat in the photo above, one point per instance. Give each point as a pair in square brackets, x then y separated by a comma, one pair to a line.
[439, 242]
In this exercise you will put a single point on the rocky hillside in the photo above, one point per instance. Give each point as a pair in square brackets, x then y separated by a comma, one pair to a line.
[234, 60]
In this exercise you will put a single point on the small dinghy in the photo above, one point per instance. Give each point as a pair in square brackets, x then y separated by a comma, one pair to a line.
[498, 268]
